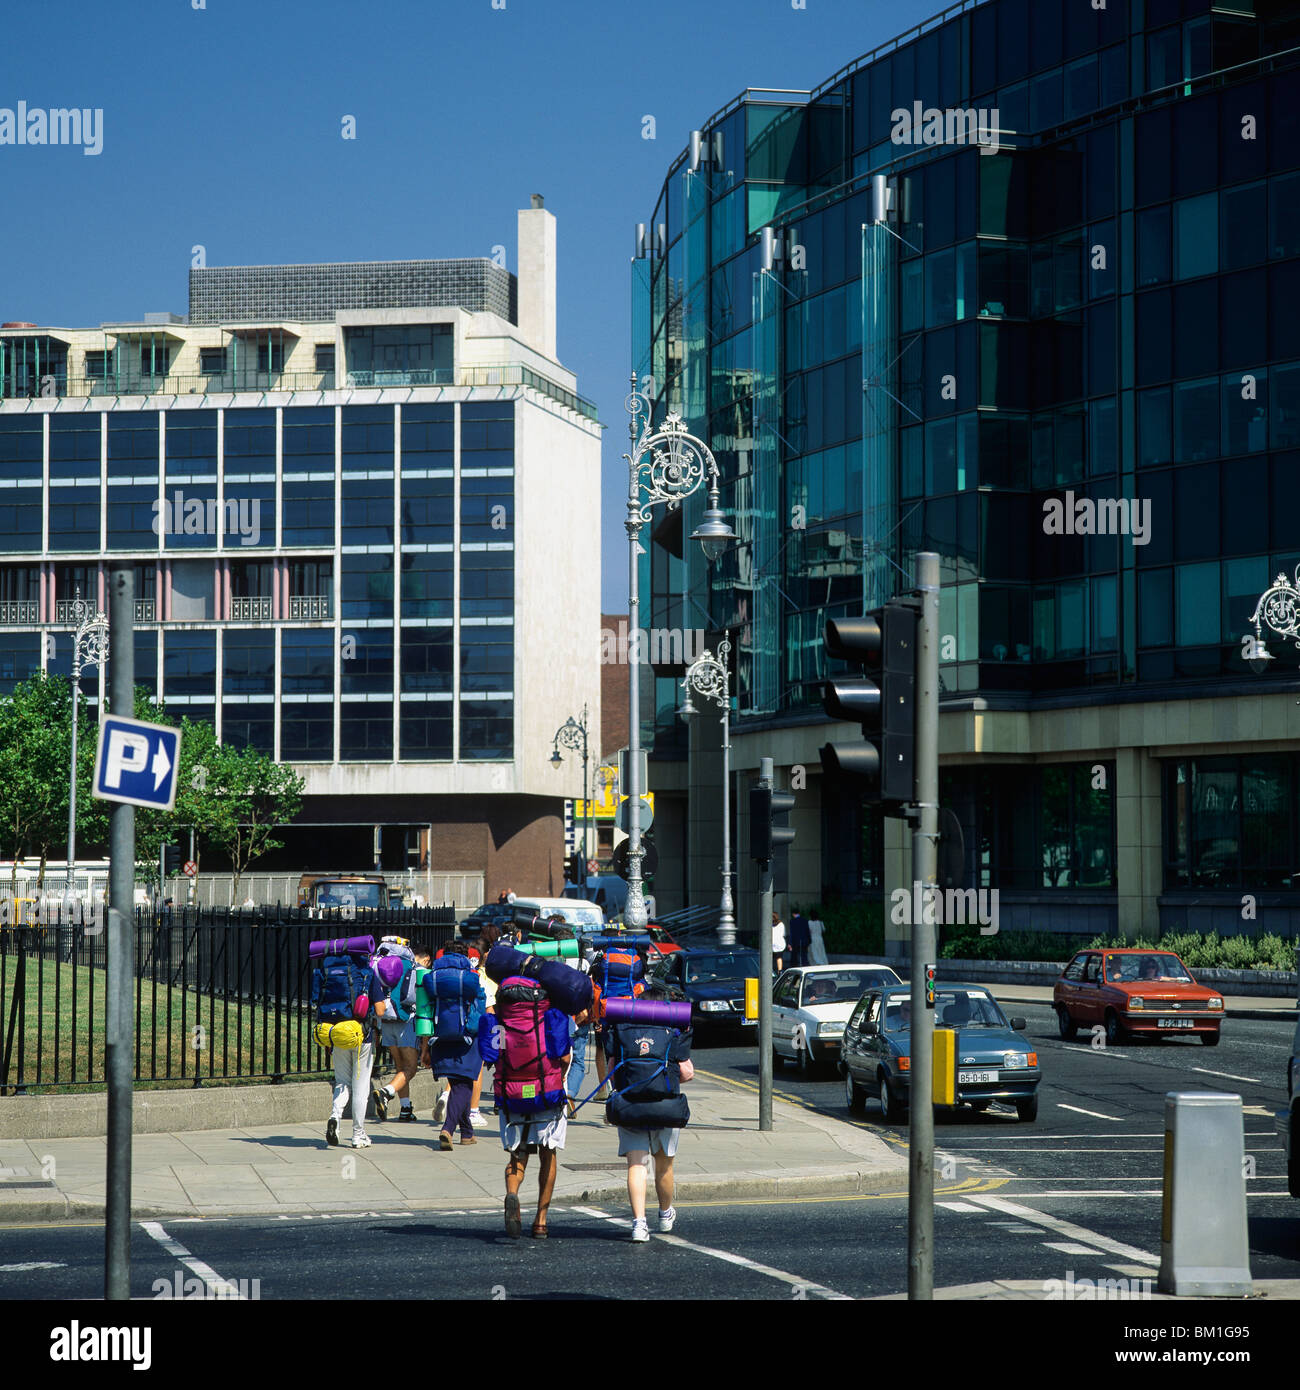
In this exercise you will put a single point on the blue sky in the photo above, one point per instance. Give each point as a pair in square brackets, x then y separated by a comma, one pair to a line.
[222, 128]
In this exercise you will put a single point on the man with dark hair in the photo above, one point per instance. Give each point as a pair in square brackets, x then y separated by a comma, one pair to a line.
[800, 938]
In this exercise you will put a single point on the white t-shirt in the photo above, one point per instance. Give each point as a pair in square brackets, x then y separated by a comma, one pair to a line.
[778, 938]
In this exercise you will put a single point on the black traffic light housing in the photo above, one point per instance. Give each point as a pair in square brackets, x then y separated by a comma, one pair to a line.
[882, 700]
[576, 869]
[768, 830]
[173, 860]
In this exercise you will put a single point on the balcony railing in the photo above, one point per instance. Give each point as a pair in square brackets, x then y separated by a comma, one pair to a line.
[251, 610]
[177, 384]
[144, 610]
[417, 376]
[310, 607]
[19, 611]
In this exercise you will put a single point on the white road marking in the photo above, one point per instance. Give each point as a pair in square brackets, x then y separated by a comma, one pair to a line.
[1230, 1076]
[1069, 1247]
[31, 1264]
[794, 1280]
[1067, 1229]
[216, 1284]
[1096, 1114]
[960, 1206]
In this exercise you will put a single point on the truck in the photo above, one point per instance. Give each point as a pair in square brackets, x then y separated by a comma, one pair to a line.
[345, 893]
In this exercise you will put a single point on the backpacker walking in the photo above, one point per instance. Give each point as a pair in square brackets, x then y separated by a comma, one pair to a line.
[447, 1024]
[395, 1006]
[341, 985]
[648, 1062]
[527, 1041]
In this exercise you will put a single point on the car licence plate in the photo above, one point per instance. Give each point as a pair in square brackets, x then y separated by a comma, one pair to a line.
[1175, 1023]
[749, 1023]
[975, 1078]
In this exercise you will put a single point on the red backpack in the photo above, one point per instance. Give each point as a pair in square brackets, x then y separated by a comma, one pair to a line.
[526, 1078]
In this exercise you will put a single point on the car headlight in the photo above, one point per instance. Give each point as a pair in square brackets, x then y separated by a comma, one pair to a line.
[714, 1006]
[1016, 1059]
[1137, 1002]
[1215, 1003]
[830, 1030]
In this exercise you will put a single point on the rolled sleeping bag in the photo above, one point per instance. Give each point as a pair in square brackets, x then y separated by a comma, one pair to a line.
[569, 989]
[423, 1006]
[634, 943]
[345, 1036]
[566, 950]
[343, 946]
[671, 1015]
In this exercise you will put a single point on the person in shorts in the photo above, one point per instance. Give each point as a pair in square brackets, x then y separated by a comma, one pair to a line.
[397, 1036]
[639, 1145]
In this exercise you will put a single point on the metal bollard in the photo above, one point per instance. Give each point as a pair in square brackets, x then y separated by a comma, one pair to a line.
[1204, 1247]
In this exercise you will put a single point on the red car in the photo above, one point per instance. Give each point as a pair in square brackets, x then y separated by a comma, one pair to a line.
[1135, 991]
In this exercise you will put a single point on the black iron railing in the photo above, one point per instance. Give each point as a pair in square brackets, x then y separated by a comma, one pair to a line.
[218, 994]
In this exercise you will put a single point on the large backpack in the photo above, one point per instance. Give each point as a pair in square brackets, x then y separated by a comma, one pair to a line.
[619, 972]
[525, 1078]
[646, 1092]
[341, 985]
[398, 946]
[452, 986]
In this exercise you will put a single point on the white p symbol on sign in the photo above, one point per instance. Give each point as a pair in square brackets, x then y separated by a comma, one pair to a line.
[127, 752]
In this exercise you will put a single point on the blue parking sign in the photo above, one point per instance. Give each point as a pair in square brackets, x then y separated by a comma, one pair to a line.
[136, 762]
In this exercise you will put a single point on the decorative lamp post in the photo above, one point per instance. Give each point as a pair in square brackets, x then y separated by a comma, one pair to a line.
[669, 463]
[573, 734]
[708, 676]
[89, 648]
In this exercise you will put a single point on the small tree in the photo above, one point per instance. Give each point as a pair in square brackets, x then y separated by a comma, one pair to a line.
[256, 796]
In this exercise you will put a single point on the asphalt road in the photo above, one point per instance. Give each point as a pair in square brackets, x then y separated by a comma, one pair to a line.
[1095, 1154]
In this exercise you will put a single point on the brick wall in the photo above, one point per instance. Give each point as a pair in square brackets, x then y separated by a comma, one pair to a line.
[614, 727]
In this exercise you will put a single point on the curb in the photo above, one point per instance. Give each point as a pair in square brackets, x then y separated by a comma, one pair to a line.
[802, 1185]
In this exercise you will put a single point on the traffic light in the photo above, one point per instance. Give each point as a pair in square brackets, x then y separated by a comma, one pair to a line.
[882, 700]
[172, 860]
[768, 830]
[576, 869]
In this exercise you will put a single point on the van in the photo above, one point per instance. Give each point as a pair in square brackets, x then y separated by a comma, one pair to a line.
[579, 914]
[343, 893]
[607, 891]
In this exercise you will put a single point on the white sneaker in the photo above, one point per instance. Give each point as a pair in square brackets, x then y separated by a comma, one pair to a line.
[640, 1231]
[361, 1141]
[440, 1108]
[478, 1120]
[667, 1219]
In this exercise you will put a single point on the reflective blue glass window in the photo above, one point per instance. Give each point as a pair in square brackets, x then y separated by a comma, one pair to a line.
[365, 731]
[1154, 233]
[20, 517]
[367, 585]
[428, 512]
[367, 511]
[1196, 236]
[309, 512]
[487, 729]
[189, 663]
[1284, 425]
[427, 659]
[306, 732]
[1196, 420]
[1243, 225]
[1245, 412]
[1197, 604]
[367, 660]
[1155, 608]
[1045, 100]
[74, 444]
[248, 661]
[307, 661]
[1284, 216]
[487, 657]
[1154, 434]
[21, 447]
[427, 584]
[20, 658]
[426, 730]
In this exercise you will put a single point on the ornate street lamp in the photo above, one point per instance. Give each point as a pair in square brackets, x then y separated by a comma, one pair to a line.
[573, 734]
[669, 463]
[90, 632]
[708, 676]
[1279, 607]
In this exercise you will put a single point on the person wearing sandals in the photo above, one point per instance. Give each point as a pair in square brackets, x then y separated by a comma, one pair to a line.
[527, 1043]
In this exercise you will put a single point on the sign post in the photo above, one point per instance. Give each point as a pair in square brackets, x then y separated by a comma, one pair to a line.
[135, 765]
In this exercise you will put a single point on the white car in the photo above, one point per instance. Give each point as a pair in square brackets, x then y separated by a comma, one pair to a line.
[812, 1003]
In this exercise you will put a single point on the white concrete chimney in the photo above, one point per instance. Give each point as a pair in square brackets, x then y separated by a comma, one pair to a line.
[537, 277]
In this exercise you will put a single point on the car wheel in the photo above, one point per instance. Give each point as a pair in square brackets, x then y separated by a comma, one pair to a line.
[803, 1063]
[890, 1109]
[980, 1106]
[1065, 1025]
[1210, 1039]
[1116, 1035]
[1027, 1110]
[853, 1096]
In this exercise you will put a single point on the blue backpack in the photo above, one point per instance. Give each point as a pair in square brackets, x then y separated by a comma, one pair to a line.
[647, 1094]
[453, 987]
[619, 971]
[337, 983]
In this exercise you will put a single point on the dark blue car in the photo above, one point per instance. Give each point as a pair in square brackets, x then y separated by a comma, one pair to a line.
[994, 1062]
[714, 981]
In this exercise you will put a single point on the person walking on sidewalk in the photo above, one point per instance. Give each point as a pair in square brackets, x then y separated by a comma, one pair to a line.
[816, 930]
[395, 1009]
[527, 1042]
[778, 944]
[800, 938]
[459, 1004]
[340, 995]
[579, 1031]
[648, 1063]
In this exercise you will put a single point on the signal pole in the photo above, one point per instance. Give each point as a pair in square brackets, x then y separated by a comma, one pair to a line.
[925, 859]
[764, 951]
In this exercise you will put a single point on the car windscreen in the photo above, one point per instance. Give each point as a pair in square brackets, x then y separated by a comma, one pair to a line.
[967, 1008]
[841, 986]
[736, 965]
[584, 917]
[347, 894]
[1155, 965]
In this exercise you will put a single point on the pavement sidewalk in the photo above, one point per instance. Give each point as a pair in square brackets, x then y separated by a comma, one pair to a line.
[278, 1170]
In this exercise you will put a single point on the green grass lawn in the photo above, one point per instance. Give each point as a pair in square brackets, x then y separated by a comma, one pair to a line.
[63, 1053]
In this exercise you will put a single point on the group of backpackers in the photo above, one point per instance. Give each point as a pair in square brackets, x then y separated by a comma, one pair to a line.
[525, 1010]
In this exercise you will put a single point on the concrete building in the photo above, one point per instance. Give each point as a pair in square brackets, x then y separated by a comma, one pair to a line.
[1078, 294]
[339, 486]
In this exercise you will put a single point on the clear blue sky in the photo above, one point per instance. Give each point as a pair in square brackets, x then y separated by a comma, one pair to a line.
[222, 128]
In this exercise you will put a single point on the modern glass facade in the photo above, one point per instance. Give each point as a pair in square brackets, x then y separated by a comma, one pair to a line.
[1082, 294]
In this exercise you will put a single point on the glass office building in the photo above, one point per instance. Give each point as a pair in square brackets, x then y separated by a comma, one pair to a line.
[326, 567]
[1018, 287]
